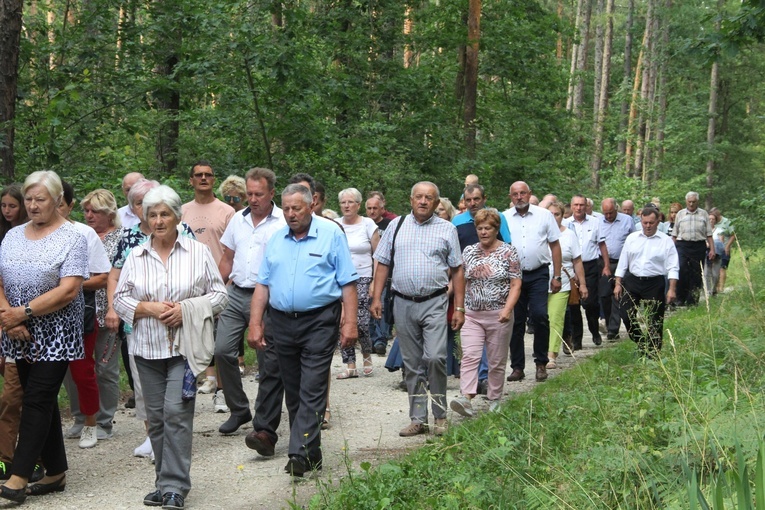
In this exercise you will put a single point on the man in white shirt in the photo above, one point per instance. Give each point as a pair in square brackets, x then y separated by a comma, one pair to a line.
[127, 218]
[535, 235]
[647, 257]
[245, 239]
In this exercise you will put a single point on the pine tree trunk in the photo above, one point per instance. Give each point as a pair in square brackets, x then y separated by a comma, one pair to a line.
[598, 60]
[625, 110]
[471, 74]
[712, 118]
[602, 107]
[581, 58]
[10, 39]
[574, 56]
[643, 116]
[662, 96]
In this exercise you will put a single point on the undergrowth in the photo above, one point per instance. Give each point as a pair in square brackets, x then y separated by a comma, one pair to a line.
[615, 431]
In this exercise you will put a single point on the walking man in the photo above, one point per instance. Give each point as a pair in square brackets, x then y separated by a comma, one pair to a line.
[692, 235]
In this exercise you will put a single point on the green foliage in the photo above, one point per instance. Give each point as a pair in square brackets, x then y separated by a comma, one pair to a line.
[616, 431]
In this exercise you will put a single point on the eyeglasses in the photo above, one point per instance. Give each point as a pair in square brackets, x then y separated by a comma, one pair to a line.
[204, 176]
[229, 198]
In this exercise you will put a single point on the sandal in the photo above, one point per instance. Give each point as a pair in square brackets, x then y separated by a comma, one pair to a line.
[368, 369]
[325, 422]
[348, 373]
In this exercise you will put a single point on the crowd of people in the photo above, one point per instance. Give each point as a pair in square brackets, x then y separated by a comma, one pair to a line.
[175, 289]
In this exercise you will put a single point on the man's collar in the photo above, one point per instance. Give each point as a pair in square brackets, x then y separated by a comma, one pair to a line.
[424, 222]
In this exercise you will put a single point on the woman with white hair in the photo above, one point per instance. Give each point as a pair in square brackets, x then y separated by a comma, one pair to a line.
[234, 192]
[169, 289]
[363, 236]
[42, 266]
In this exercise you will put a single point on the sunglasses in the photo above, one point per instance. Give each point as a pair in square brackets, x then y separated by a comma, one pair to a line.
[230, 198]
[203, 176]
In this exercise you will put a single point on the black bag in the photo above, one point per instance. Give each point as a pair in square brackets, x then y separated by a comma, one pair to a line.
[387, 311]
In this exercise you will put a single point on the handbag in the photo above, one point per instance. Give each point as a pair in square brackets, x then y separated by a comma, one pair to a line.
[387, 313]
[573, 297]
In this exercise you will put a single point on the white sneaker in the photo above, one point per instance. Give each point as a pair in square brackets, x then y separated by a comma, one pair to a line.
[241, 370]
[89, 437]
[461, 405]
[208, 387]
[74, 432]
[144, 450]
[493, 406]
[219, 401]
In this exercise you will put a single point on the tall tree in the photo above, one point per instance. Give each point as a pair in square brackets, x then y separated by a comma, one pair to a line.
[471, 74]
[602, 106]
[714, 80]
[10, 37]
[625, 107]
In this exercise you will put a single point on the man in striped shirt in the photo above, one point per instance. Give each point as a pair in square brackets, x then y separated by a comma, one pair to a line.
[692, 234]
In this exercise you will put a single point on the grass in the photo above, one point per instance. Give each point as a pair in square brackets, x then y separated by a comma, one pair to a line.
[615, 431]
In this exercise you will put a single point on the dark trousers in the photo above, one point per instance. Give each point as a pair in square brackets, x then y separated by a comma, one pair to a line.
[532, 303]
[591, 306]
[642, 306]
[691, 256]
[606, 293]
[268, 403]
[304, 349]
[40, 434]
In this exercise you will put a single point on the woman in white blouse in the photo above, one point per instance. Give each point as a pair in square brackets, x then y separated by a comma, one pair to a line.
[167, 284]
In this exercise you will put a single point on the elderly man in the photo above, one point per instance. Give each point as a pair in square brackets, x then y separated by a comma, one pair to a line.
[535, 235]
[127, 218]
[692, 234]
[614, 229]
[475, 200]
[245, 239]
[587, 233]
[378, 328]
[646, 259]
[305, 280]
[628, 208]
[385, 213]
[425, 249]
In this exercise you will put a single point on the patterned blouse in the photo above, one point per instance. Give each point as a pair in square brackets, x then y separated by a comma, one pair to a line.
[488, 276]
[29, 269]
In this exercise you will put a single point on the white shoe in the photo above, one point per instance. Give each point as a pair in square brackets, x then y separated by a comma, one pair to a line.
[208, 387]
[144, 450]
[219, 401]
[241, 370]
[89, 437]
[461, 405]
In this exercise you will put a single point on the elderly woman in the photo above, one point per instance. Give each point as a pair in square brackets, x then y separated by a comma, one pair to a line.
[100, 208]
[42, 266]
[130, 238]
[363, 237]
[572, 273]
[169, 290]
[493, 285]
[234, 192]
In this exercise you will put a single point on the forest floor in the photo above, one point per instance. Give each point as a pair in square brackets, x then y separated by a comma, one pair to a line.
[367, 414]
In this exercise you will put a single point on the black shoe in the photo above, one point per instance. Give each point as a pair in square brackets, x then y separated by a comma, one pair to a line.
[41, 489]
[566, 349]
[130, 404]
[381, 348]
[172, 500]
[483, 387]
[153, 498]
[613, 337]
[597, 340]
[530, 329]
[234, 422]
[5, 470]
[260, 442]
[299, 466]
[38, 474]
[17, 495]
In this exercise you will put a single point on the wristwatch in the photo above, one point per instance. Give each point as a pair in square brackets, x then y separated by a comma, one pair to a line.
[28, 311]
[557, 278]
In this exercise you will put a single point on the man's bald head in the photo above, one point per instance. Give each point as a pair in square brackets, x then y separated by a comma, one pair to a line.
[129, 180]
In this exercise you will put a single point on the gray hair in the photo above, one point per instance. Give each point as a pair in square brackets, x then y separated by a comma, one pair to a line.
[298, 188]
[49, 180]
[353, 192]
[427, 183]
[162, 195]
[691, 195]
[139, 190]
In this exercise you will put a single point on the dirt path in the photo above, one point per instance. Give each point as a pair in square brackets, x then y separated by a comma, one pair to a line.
[367, 414]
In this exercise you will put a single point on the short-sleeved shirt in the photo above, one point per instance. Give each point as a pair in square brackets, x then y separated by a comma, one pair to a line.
[587, 234]
[31, 268]
[569, 250]
[208, 221]
[488, 276]
[98, 260]
[127, 218]
[724, 230]
[532, 234]
[308, 273]
[614, 233]
[423, 254]
[692, 226]
[466, 229]
[248, 242]
[360, 243]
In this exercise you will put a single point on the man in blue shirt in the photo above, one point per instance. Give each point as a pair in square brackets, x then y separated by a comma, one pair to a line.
[307, 277]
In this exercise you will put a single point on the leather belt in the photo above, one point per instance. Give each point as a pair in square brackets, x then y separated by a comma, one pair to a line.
[249, 290]
[307, 313]
[420, 299]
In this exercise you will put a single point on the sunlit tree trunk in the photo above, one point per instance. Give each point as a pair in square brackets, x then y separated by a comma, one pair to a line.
[581, 58]
[10, 38]
[471, 74]
[625, 109]
[598, 57]
[712, 118]
[602, 107]
[659, 159]
[645, 88]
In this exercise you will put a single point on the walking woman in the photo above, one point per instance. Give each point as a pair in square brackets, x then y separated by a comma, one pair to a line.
[42, 266]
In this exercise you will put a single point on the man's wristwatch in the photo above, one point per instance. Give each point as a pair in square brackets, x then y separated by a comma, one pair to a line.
[557, 278]
[28, 311]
